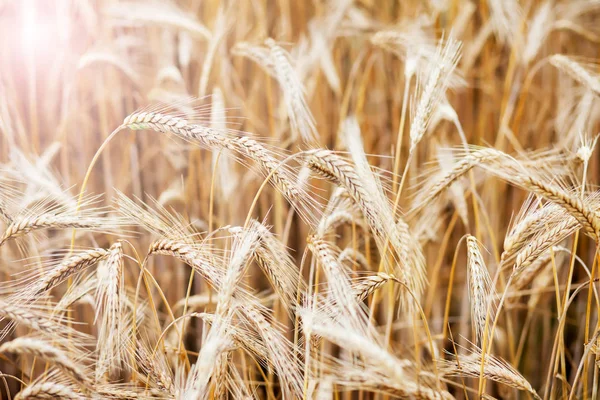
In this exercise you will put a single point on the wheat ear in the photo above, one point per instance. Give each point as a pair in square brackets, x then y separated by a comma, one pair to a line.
[480, 288]
[46, 351]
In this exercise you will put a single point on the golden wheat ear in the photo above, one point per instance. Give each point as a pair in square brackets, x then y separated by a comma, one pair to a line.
[481, 290]
[218, 341]
[282, 354]
[278, 265]
[396, 237]
[432, 86]
[376, 368]
[40, 319]
[43, 276]
[49, 390]
[48, 214]
[269, 162]
[301, 119]
[47, 351]
[494, 369]
[584, 73]
[111, 313]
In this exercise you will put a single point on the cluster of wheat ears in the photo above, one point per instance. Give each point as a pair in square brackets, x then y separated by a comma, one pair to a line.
[327, 199]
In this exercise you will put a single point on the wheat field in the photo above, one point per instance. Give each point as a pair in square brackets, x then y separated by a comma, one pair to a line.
[294, 199]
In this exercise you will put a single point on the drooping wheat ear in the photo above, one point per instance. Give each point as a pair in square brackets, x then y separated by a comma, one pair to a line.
[352, 255]
[110, 312]
[530, 225]
[543, 241]
[319, 323]
[32, 318]
[191, 256]
[337, 218]
[259, 54]
[338, 280]
[459, 169]
[269, 163]
[156, 368]
[47, 352]
[331, 166]
[580, 73]
[398, 247]
[481, 292]
[124, 392]
[67, 268]
[217, 342]
[526, 274]
[408, 250]
[22, 226]
[576, 206]
[494, 369]
[280, 350]
[165, 123]
[217, 139]
[279, 266]
[48, 390]
[435, 85]
[301, 119]
[242, 252]
[412, 45]
[247, 339]
[367, 286]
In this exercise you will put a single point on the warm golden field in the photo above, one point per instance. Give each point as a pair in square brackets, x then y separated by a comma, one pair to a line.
[295, 199]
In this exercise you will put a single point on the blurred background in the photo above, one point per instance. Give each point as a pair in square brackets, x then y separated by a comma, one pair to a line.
[71, 71]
